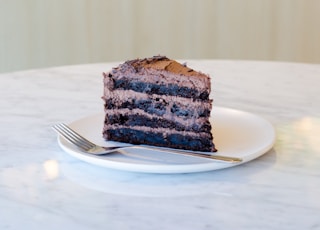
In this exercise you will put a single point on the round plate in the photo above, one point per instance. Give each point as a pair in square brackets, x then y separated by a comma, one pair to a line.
[236, 133]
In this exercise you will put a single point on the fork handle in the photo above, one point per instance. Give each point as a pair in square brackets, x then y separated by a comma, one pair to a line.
[195, 154]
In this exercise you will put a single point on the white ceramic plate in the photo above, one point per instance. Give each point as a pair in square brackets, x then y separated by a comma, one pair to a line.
[236, 133]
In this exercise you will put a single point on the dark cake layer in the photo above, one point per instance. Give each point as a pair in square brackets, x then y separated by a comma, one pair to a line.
[159, 89]
[155, 122]
[158, 107]
[178, 141]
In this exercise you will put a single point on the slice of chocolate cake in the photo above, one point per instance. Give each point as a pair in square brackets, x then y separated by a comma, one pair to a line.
[158, 101]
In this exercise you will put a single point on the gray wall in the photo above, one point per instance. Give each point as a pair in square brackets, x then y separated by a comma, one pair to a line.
[43, 33]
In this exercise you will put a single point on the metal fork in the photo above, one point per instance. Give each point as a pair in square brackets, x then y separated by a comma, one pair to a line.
[87, 146]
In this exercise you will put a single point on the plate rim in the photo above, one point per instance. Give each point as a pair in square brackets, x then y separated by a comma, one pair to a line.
[167, 168]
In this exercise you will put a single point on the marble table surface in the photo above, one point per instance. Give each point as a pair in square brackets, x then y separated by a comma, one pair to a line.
[42, 187]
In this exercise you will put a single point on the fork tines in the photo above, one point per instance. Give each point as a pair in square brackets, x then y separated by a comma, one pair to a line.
[73, 137]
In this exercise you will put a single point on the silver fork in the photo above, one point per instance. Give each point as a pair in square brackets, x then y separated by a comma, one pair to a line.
[87, 146]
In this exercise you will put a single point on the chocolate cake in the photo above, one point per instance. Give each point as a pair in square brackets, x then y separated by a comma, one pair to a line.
[158, 101]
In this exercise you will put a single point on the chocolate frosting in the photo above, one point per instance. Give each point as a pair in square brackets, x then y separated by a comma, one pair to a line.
[161, 70]
[163, 63]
